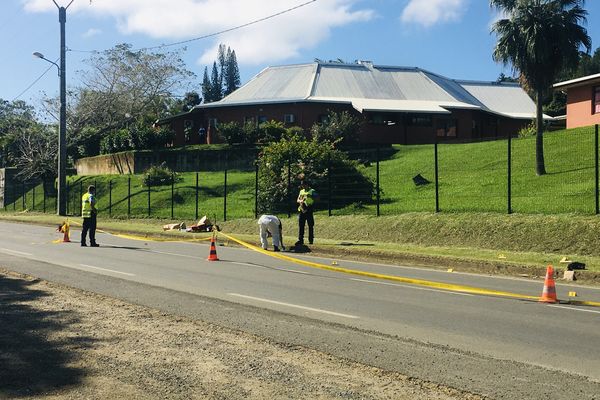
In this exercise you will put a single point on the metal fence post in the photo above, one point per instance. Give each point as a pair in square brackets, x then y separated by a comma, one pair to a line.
[68, 191]
[33, 199]
[23, 195]
[225, 189]
[81, 191]
[378, 187]
[172, 195]
[597, 175]
[149, 209]
[14, 199]
[289, 186]
[128, 196]
[256, 167]
[110, 198]
[329, 205]
[437, 184]
[44, 190]
[509, 175]
[196, 197]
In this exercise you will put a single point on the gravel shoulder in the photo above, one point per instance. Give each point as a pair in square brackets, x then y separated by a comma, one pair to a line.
[58, 342]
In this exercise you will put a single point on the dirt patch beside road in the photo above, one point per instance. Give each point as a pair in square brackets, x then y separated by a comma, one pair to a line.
[63, 343]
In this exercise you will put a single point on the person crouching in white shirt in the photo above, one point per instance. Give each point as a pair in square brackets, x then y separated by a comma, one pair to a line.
[270, 225]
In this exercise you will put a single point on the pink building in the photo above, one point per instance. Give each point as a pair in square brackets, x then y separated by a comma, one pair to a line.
[583, 100]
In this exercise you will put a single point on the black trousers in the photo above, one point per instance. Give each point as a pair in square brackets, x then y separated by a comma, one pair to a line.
[89, 225]
[303, 219]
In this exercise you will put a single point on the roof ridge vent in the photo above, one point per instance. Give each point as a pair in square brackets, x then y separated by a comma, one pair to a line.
[366, 63]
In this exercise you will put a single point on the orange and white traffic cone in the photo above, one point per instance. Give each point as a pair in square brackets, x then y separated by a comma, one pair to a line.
[212, 256]
[549, 292]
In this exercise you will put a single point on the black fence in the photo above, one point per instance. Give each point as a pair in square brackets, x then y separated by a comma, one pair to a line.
[448, 176]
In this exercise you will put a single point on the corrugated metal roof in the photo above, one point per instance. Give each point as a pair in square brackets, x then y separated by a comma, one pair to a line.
[381, 88]
[290, 82]
[507, 99]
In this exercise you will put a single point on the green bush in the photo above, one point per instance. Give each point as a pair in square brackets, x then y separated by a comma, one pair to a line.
[528, 131]
[338, 129]
[158, 175]
[308, 160]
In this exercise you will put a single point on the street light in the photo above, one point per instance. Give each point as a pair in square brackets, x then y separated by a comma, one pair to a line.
[62, 130]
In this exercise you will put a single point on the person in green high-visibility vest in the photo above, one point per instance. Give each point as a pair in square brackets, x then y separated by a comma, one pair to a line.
[88, 213]
[306, 204]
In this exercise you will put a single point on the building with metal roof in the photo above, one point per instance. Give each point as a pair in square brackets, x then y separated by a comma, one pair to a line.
[398, 104]
[583, 100]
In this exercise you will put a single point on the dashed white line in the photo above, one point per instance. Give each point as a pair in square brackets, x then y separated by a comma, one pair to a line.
[318, 310]
[412, 287]
[15, 252]
[106, 270]
[577, 309]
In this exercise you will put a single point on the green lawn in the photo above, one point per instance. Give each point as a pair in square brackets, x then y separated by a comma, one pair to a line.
[472, 178]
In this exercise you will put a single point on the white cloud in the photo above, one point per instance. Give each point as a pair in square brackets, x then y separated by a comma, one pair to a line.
[91, 32]
[277, 39]
[430, 12]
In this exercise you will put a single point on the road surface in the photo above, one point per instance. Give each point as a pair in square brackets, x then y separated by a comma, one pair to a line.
[502, 348]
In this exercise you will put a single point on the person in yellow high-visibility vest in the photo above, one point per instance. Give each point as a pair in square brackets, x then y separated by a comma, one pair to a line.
[88, 213]
[306, 203]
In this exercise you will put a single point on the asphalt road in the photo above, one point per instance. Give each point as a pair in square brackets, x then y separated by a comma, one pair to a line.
[503, 348]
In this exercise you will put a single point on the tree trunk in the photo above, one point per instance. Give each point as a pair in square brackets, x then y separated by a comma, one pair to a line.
[540, 167]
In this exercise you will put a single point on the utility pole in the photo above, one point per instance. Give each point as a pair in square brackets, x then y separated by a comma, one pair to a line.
[62, 130]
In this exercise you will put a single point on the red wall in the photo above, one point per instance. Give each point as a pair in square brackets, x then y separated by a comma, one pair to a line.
[471, 125]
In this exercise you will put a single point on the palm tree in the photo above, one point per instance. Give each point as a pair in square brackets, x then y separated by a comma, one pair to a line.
[539, 39]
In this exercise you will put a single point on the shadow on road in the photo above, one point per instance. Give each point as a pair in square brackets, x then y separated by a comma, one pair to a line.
[32, 360]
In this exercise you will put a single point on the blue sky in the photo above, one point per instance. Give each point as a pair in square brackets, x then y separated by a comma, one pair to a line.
[449, 37]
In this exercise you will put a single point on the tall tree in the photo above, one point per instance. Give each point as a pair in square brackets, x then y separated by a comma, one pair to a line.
[232, 73]
[539, 39]
[120, 87]
[206, 87]
[215, 84]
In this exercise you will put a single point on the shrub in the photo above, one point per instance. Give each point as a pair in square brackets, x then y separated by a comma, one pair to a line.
[308, 160]
[338, 128]
[528, 131]
[158, 175]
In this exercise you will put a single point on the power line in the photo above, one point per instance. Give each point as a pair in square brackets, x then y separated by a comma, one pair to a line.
[215, 33]
[35, 81]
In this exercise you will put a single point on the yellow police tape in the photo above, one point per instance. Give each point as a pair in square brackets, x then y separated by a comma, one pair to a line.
[418, 282]
[146, 238]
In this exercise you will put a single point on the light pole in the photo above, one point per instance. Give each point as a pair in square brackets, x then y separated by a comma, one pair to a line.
[62, 129]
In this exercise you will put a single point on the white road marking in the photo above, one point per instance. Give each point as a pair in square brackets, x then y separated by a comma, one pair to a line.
[176, 254]
[15, 252]
[318, 310]
[577, 309]
[247, 264]
[106, 270]
[293, 271]
[412, 287]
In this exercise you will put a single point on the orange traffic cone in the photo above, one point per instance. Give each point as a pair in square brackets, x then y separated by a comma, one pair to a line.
[212, 256]
[549, 292]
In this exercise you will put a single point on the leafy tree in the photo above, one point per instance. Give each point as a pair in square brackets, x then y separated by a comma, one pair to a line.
[15, 117]
[340, 129]
[539, 39]
[122, 88]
